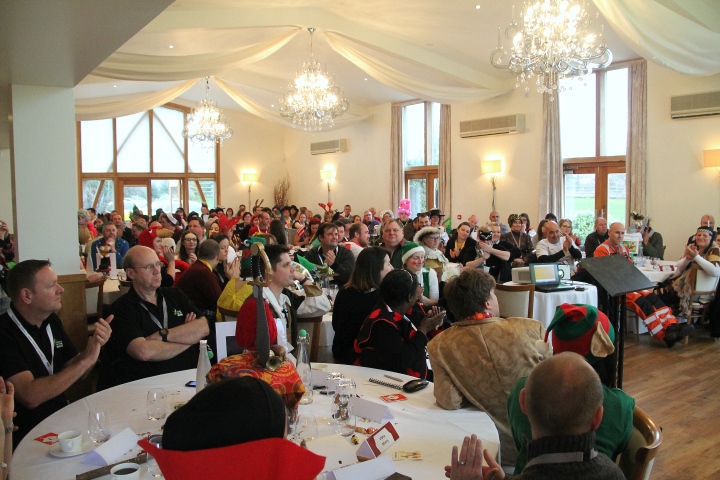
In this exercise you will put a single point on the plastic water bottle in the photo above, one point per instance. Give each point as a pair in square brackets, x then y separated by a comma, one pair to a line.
[303, 366]
[203, 367]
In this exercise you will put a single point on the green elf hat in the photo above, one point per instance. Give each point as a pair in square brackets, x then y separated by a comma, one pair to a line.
[581, 329]
[410, 249]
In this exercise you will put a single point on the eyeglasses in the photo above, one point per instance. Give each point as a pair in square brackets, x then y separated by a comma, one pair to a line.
[150, 266]
[433, 237]
[190, 239]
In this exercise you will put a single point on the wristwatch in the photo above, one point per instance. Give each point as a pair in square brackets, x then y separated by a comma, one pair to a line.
[163, 334]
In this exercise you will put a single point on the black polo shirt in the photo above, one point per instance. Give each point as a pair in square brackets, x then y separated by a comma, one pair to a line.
[132, 320]
[17, 355]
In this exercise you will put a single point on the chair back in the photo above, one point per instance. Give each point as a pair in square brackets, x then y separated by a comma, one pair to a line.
[226, 343]
[636, 461]
[228, 315]
[125, 286]
[94, 297]
[290, 234]
[515, 300]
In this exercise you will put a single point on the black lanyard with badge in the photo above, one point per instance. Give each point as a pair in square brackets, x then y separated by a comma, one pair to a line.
[48, 364]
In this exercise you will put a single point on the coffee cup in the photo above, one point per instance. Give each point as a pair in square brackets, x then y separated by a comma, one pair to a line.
[126, 471]
[70, 441]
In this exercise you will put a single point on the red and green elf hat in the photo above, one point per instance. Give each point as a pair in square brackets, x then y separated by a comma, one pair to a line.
[581, 329]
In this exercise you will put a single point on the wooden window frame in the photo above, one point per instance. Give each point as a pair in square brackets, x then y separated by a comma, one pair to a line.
[120, 178]
[428, 172]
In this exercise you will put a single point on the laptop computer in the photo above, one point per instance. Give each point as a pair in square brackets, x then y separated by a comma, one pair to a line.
[546, 278]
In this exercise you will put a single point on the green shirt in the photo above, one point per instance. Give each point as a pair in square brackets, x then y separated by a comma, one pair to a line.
[610, 438]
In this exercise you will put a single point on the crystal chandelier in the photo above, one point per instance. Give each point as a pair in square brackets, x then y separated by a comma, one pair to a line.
[555, 42]
[206, 124]
[312, 101]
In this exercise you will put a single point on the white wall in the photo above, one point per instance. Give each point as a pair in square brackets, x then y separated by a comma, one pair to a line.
[256, 145]
[680, 190]
[362, 173]
[518, 185]
[6, 197]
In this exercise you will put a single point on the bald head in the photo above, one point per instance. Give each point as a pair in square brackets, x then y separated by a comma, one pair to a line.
[707, 220]
[616, 233]
[494, 217]
[563, 396]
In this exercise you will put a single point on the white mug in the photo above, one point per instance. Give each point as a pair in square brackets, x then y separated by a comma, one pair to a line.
[70, 441]
[126, 471]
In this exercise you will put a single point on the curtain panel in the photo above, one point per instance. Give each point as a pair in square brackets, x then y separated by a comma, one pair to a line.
[397, 177]
[444, 173]
[636, 158]
[551, 166]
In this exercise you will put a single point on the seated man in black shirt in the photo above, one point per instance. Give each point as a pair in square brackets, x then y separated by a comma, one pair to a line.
[157, 329]
[36, 355]
[339, 259]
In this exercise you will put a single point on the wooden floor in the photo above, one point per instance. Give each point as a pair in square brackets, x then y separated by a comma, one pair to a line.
[680, 390]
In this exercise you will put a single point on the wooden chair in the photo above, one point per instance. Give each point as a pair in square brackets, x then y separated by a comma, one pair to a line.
[315, 336]
[125, 286]
[93, 302]
[515, 300]
[702, 295]
[636, 461]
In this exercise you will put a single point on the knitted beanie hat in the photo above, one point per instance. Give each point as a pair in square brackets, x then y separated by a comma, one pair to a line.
[581, 329]
[233, 411]
[410, 249]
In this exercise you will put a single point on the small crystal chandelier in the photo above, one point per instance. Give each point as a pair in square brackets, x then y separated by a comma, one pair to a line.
[554, 43]
[312, 101]
[206, 124]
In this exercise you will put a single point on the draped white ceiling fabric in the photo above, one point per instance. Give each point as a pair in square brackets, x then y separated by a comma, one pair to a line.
[102, 108]
[131, 66]
[683, 35]
[412, 85]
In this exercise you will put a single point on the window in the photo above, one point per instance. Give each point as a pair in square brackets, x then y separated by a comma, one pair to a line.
[421, 154]
[143, 160]
[593, 133]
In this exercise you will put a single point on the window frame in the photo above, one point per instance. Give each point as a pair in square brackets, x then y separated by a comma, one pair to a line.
[428, 172]
[120, 178]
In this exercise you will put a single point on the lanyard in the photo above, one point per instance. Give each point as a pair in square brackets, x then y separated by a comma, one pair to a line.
[48, 365]
[154, 318]
[568, 457]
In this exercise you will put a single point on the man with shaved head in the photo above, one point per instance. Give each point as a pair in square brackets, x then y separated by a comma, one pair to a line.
[563, 401]
[706, 220]
[613, 245]
[555, 248]
[158, 329]
[494, 217]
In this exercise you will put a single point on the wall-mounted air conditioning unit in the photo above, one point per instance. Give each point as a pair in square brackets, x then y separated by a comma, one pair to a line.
[331, 146]
[695, 105]
[493, 126]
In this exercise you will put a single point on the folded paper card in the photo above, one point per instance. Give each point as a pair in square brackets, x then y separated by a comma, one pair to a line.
[376, 469]
[376, 412]
[111, 450]
[337, 451]
[378, 442]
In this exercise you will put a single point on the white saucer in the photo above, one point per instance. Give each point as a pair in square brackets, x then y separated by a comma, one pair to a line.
[87, 445]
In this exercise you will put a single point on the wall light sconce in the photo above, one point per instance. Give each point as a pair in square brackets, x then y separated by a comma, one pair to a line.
[492, 167]
[250, 178]
[327, 175]
[711, 158]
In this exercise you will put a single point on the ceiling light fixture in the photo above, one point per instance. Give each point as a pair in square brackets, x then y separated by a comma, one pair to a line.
[554, 43]
[312, 101]
[206, 124]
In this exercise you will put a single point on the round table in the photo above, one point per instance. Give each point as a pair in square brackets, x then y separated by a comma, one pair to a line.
[421, 423]
[545, 303]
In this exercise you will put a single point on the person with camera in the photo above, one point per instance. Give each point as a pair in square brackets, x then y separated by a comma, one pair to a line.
[652, 241]
[497, 254]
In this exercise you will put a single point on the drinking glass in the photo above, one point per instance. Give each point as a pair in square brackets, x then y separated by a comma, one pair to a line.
[342, 413]
[306, 428]
[97, 426]
[332, 293]
[156, 407]
[152, 466]
[331, 382]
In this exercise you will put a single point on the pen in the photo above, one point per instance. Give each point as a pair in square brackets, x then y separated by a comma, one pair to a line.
[393, 378]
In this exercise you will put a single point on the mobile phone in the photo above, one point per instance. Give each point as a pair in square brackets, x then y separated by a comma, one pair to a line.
[191, 383]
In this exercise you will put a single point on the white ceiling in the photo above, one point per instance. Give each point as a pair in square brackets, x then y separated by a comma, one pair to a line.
[60, 43]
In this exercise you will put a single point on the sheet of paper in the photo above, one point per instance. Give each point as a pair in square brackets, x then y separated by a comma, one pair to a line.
[376, 412]
[376, 469]
[111, 450]
[337, 451]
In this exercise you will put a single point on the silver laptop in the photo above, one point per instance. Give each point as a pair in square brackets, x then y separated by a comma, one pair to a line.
[546, 278]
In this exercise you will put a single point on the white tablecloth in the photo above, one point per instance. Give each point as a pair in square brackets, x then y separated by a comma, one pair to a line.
[111, 291]
[656, 276]
[421, 423]
[545, 304]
